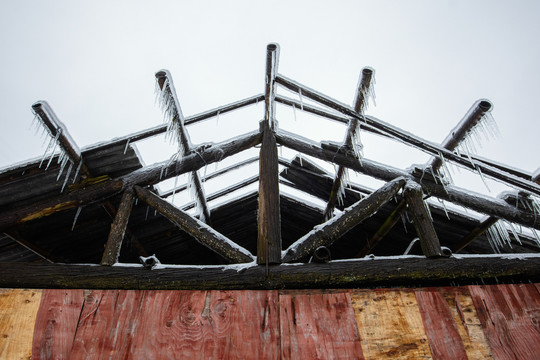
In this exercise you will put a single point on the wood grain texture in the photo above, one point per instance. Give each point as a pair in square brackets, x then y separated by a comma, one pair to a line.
[468, 325]
[442, 333]
[108, 322]
[390, 324]
[56, 323]
[18, 311]
[318, 326]
[208, 325]
[510, 317]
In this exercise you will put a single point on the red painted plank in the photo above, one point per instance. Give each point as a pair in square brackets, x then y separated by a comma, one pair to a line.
[441, 330]
[510, 317]
[318, 326]
[56, 323]
[213, 324]
[107, 324]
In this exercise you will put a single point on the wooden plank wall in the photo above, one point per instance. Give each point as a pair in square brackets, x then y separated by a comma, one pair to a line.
[472, 322]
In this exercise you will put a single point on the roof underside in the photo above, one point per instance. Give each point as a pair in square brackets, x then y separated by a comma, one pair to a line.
[50, 218]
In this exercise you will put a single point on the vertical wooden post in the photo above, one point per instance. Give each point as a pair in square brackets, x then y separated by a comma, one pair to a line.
[423, 224]
[118, 229]
[269, 217]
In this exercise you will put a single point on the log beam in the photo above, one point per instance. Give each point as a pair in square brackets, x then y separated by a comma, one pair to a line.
[146, 176]
[409, 138]
[118, 229]
[353, 129]
[203, 233]
[326, 233]
[402, 271]
[422, 222]
[471, 200]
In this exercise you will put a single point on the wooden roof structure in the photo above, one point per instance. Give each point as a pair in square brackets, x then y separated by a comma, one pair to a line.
[81, 219]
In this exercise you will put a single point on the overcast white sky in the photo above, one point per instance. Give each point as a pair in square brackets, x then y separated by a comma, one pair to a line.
[94, 62]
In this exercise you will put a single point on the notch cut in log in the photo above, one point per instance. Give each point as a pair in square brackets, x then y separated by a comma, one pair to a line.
[352, 136]
[118, 229]
[422, 222]
[203, 233]
[328, 232]
[469, 199]
[462, 130]
[171, 108]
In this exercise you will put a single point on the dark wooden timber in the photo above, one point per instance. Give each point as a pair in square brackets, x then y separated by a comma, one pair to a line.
[474, 201]
[146, 176]
[14, 235]
[203, 233]
[269, 217]
[359, 105]
[409, 138]
[384, 229]
[475, 233]
[212, 175]
[460, 132]
[326, 233]
[429, 241]
[334, 274]
[118, 229]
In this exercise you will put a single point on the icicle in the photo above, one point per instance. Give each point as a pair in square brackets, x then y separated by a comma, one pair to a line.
[77, 171]
[52, 155]
[300, 159]
[301, 101]
[217, 118]
[62, 166]
[127, 145]
[294, 112]
[444, 208]
[482, 177]
[514, 232]
[146, 216]
[67, 176]
[76, 217]
[174, 188]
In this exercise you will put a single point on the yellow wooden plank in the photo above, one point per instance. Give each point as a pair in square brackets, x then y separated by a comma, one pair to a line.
[18, 311]
[467, 323]
[390, 325]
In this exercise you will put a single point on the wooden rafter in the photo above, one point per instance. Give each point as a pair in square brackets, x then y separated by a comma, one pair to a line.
[269, 218]
[203, 233]
[149, 175]
[326, 233]
[478, 202]
[409, 138]
[359, 105]
[165, 82]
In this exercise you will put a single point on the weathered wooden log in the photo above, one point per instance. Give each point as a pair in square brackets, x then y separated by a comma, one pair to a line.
[364, 84]
[409, 138]
[57, 129]
[272, 62]
[146, 176]
[118, 229]
[203, 233]
[429, 241]
[172, 109]
[401, 271]
[269, 217]
[385, 228]
[460, 132]
[328, 232]
[189, 120]
[469, 199]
